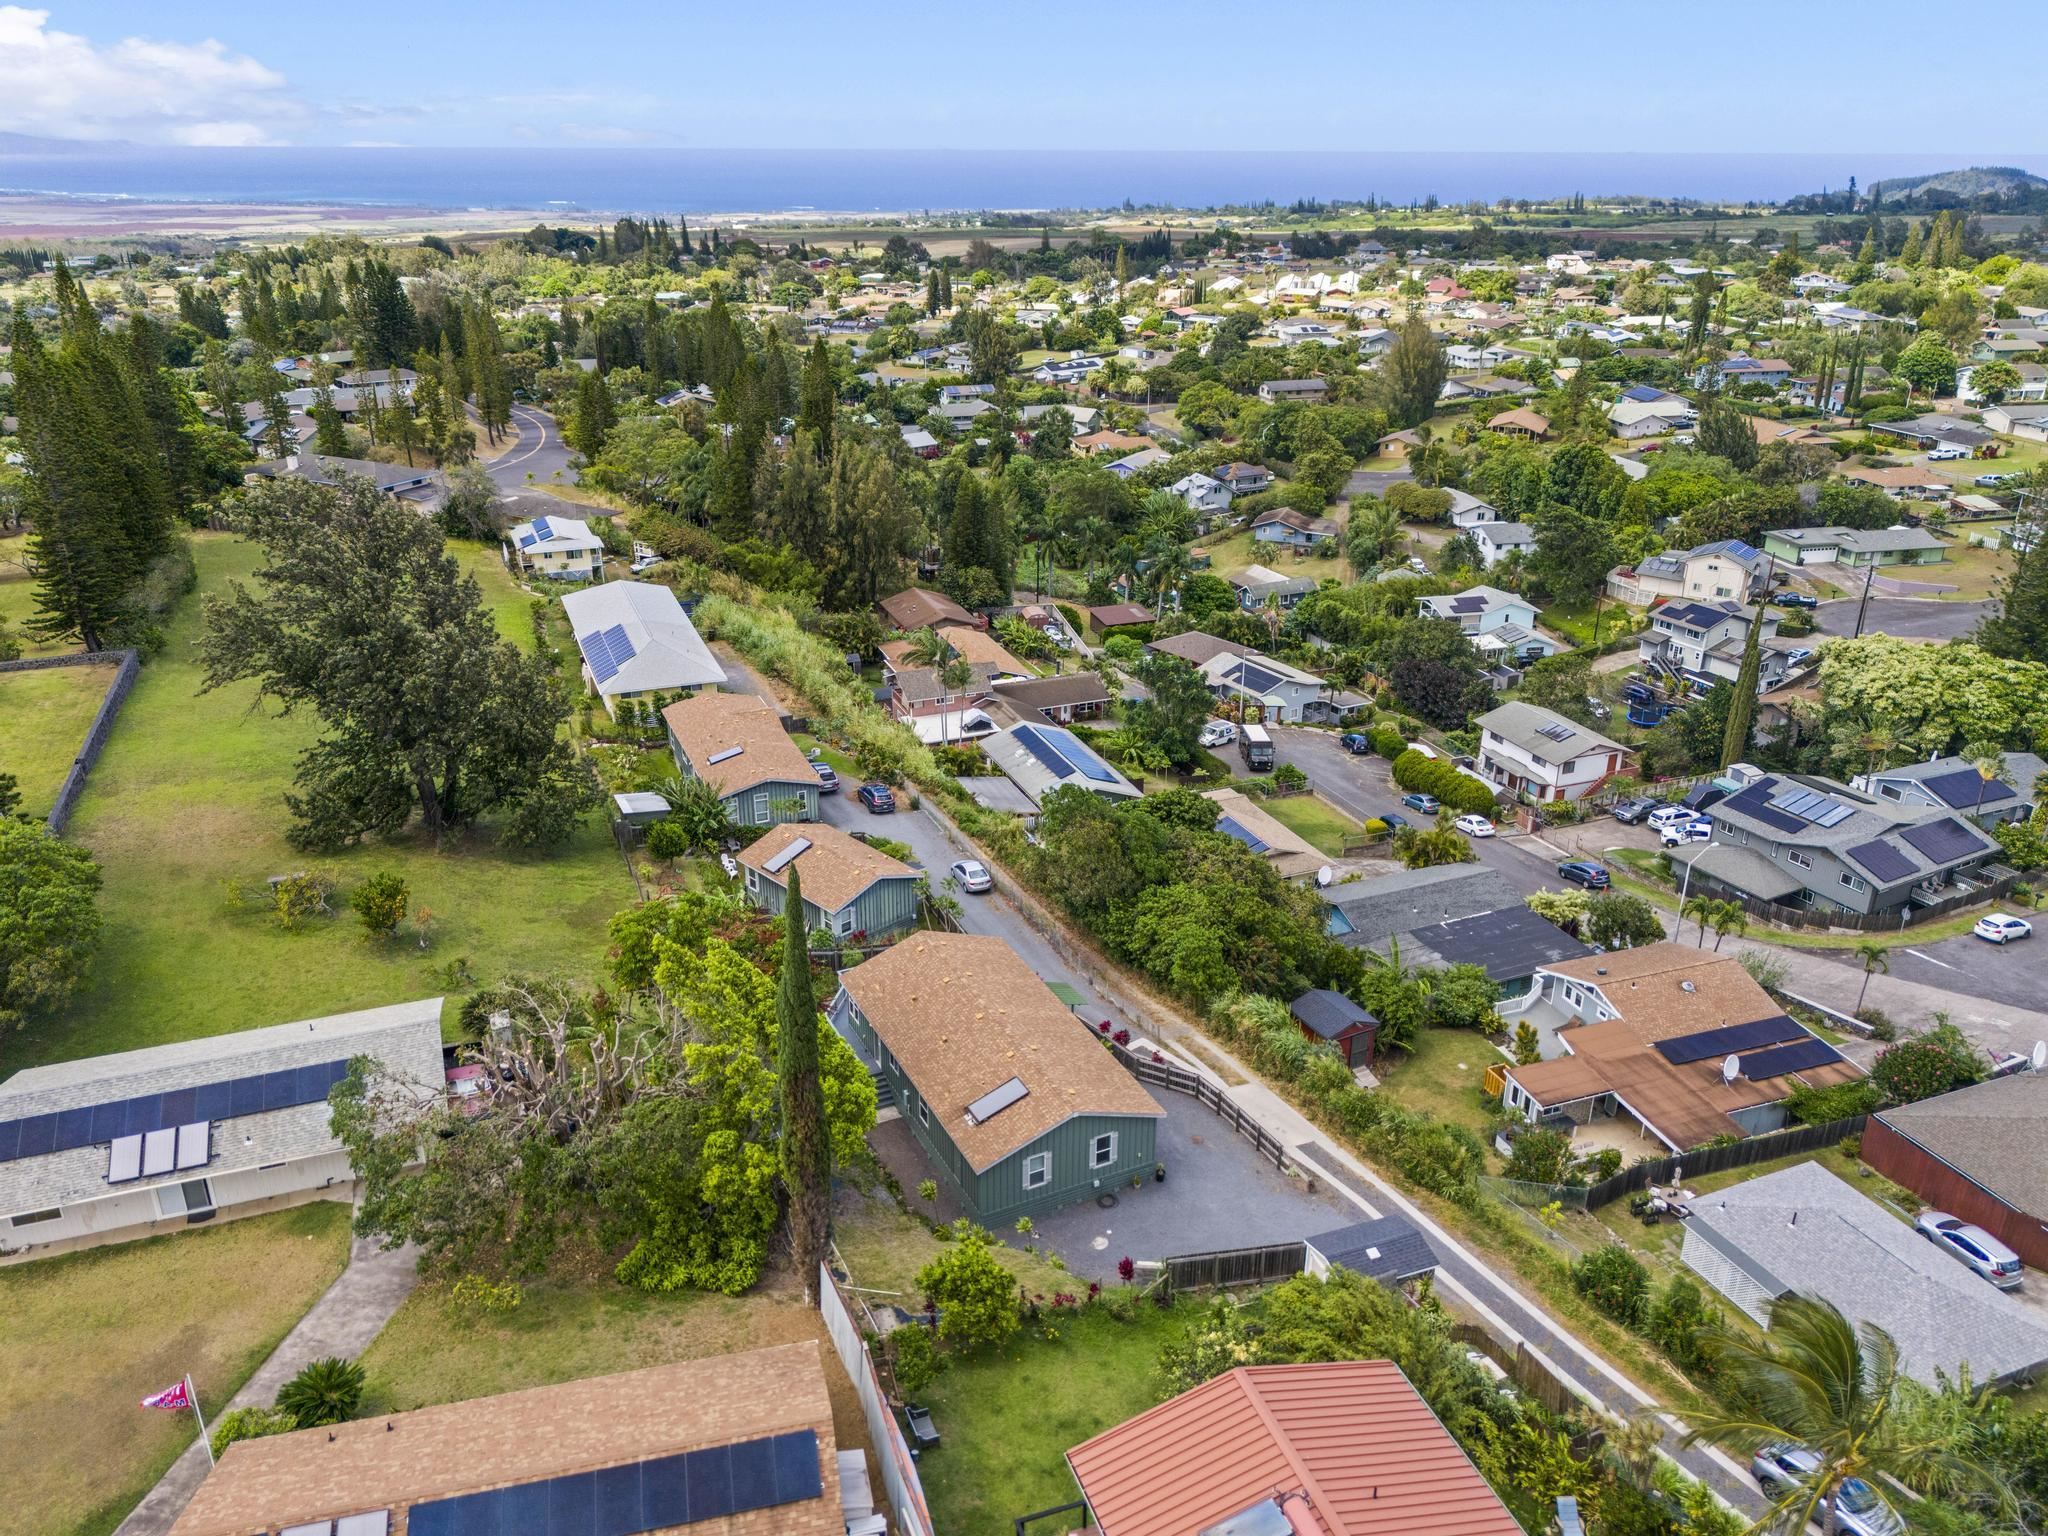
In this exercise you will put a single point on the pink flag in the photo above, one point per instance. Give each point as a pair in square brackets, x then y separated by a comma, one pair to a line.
[170, 1397]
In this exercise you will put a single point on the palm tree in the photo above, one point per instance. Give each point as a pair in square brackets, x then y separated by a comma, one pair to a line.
[1988, 758]
[1819, 1382]
[325, 1392]
[1731, 918]
[928, 648]
[1169, 572]
[1880, 741]
[1875, 957]
[1699, 909]
[953, 676]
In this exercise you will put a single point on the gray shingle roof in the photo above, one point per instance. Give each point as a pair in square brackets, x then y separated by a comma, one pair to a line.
[1388, 1250]
[1507, 944]
[1522, 724]
[1416, 898]
[1994, 1133]
[1803, 1229]
[405, 1036]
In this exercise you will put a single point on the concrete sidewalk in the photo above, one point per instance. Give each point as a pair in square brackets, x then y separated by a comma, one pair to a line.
[342, 1322]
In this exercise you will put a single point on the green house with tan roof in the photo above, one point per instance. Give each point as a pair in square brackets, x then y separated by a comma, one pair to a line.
[1018, 1106]
[850, 889]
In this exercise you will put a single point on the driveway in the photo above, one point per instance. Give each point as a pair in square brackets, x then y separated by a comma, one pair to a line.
[2014, 975]
[1914, 618]
[1374, 482]
[539, 457]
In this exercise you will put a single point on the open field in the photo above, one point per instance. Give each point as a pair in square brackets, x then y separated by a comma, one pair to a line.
[1234, 553]
[88, 1335]
[17, 598]
[43, 720]
[187, 806]
[1317, 820]
[1442, 1077]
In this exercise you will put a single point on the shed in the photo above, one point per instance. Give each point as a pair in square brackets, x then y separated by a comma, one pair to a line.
[1333, 1017]
[639, 808]
[1389, 1250]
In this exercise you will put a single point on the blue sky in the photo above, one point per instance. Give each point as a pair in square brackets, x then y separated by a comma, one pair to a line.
[1726, 77]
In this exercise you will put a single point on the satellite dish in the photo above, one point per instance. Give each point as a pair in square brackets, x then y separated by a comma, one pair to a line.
[1731, 1069]
[1325, 875]
[2040, 1056]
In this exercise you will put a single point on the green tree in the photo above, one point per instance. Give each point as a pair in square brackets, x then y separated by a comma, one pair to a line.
[381, 902]
[1927, 365]
[49, 919]
[818, 395]
[974, 1294]
[1818, 1381]
[806, 1146]
[327, 1391]
[1528, 1046]
[667, 840]
[593, 417]
[1725, 433]
[1615, 920]
[1411, 375]
[1179, 703]
[1992, 382]
[1614, 1280]
[1573, 553]
[1742, 705]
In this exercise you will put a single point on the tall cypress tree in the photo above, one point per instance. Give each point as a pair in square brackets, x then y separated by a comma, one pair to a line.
[1742, 708]
[814, 408]
[806, 1146]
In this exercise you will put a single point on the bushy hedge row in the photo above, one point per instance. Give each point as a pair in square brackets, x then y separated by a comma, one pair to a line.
[1436, 776]
[1446, 1160]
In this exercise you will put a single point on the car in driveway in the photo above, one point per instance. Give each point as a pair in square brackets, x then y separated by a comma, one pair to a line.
[1960, 1239]
[878, 798]
[1391, 820]
[1948, 451]
[1583, 872]
[828, 778]
[1474, 825]
[972, 876]
[2002, 928]
[1679, 833]
[1355, 742]
[1429, 805]
[1671, 816]
[1859, 1509]
[1629, 812]
[1217, 733]
[1795, 600]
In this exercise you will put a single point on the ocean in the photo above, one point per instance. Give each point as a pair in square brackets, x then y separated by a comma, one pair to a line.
[704, 181]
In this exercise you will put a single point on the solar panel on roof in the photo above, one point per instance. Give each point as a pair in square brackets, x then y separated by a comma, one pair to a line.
[1830, 814]
[1795, 801]
[776, 863]
[1244, 834]
[1796, 1057]
[528, 540]
[996, 1100]
[159, 1152]
[1966, 787]
[607, 650]
[124, 1159]
[1556, 731]
[1942, 841]
[723, 755]
[540, 526]
[1071, 747]
[1755, 801]
[1884, 862]
[1729, 1038]
[85, 1126]
[194, 1145]
[1048, 756]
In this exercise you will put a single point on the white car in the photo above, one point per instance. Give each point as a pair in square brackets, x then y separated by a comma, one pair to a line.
[1949, 452]
[1701, 831]
[2002, 928]
[1217, 733]
[1474, 826]
[1671, 816]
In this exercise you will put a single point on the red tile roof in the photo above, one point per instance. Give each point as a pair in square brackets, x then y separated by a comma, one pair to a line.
[1353, 1438]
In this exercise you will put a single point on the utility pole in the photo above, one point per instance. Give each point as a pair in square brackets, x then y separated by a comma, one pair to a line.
[1869, 575]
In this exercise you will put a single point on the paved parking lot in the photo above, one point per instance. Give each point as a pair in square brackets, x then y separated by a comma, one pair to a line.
[1916, 618]
[2015, 974]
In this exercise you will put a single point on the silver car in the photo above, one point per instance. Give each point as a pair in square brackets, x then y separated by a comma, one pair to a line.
[1859, 1509]
[973, 876]
[1974, 1246]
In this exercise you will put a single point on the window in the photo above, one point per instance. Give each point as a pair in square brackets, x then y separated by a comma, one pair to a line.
[1038, 1170]
[842, 923]
[30, 1218]
[1851, 881]
[761, 806]
[1102, 1151]
[1794, 856]
[924, 1113]
[1891, 791]
[753, 879]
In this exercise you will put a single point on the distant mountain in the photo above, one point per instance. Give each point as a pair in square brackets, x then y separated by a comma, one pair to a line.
[2000, 182]
[31, 144]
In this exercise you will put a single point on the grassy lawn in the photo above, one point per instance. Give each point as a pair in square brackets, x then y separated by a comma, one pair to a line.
[1442, 1076]
[17, 598]
[1574, 621]
[1239, 550]
[1317, 820]
[1009, 1417]
[883, 1247]
[187, 803]
[90, 1334]
[43, 720]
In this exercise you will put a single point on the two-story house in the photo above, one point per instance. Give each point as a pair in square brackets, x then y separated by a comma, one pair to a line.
[1727, 568]
[735, 743]
[1308, 391]
[1206, 496]
[1955, 784]
[1535, 754]
[561, 547]
[1500, 625]
[1699, 644]
[1806, 841]
[848, 887]
[1496, 541]
[1255, 585]
[1245, 479]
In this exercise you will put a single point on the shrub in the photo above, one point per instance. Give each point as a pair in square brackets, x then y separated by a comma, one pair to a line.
[1387, 741]
[249, 1424]
[917, 1361]
[298, 898]
[1538, 1157]
[381, 902]
[1287, 776]
[667, 840]
[1843, 1101]
[474, 1294]
[1879, 1022]
[1677, 1319]
[975, 1296]
[1614, 1281]
[328, 1391]
[1932, 1063]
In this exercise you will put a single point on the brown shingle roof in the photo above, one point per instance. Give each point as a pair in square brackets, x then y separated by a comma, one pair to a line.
[1195, 648]
[915, 607]
[836, 868]
[1666, 990]
[965, 1014]
[1526, 420]
[707, 724]
[1069, 688]
[392, 1461]
[1353, 1439]
[1111, 614]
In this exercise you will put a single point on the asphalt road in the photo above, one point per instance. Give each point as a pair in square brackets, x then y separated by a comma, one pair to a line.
[1374, 482]
[2014, 974]
[1917, 618]
[539, 457]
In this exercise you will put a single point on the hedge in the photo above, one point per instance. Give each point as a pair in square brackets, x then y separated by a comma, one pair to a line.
[1415, 770]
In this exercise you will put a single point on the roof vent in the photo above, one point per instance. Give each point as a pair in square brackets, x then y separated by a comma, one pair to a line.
[1688, 986]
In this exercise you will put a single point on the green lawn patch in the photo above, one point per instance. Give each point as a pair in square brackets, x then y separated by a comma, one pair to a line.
[187, 803]
[43, 720]
[18, 599]
[1240, 550]
[1575, 622]
[1320, 822]
[1008, 1417]
[1442, 1076]
[88, 1335]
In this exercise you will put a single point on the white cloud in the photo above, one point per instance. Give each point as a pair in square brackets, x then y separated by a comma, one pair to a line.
[60, 85]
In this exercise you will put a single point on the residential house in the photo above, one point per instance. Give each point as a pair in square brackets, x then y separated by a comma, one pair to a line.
[1205, 496]
[1256, 585]
[850, 888]
[1500, 625]
[735, 743]
[1980, 1153]
[1336, 1021]
[937, 712]
[2032, 388]
[1537, 755]
[1398, 445]
[557, 547]
[1374, 340]
[1195, 648]
[1858, 547]
[1808, 284]
[1108, 616]
[1077, 695]
[1936, 431]
[1496, 541]
[1309, 391]
[1727, 568]
[1521, 422]
[1365, 914]
[1954, 784]
[2022, 420]
[1389, 1249]
[920, 442]
[1265, 1450]
[1468, 511]
[1698, 643]
[1643, 1036]
[420, 485]
[1086, 418]
[1245, 479]
[1291, 529]
[1805, 841]
[1016, 1104]
[1803, 1230]
[1508, 942]
[748, 1435]
[1131, 463]
[638, 643]
[2006, 349]
[1282, 693]
[108, 1148]
[1290, 855]
[1109, 444]
[1646, 411]
[959, 415]
[1067, 371]
[966, 642]
[917, 608]
[1742, 369]
[1766, 431]
[1039, 759]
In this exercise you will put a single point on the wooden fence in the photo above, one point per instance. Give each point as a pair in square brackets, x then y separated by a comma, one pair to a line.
[1162, 1074]
[1672, 1170]
[1234, 1267]
[1984, 886]
[1523, 1368]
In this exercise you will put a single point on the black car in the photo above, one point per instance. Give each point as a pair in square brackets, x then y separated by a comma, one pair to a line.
[1392, 819]
[1583, 872]
[1354, 742]
[1795, 600]
[878, 799]
[1629, 812]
